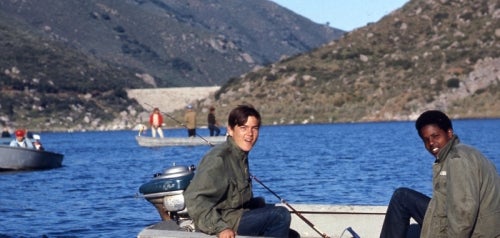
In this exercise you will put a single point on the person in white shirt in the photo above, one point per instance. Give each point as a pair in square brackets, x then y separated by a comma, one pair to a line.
[21, 140]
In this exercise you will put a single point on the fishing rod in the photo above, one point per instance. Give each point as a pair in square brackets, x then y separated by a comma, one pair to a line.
[182, 124]
[293, 209]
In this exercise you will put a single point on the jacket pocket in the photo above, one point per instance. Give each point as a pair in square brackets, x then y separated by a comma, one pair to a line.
[240, 193]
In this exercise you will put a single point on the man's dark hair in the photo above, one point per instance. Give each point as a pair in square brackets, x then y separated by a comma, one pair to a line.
[433, 117]
[239, 115]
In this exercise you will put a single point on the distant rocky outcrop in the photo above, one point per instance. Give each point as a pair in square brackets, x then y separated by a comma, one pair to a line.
[169, 100]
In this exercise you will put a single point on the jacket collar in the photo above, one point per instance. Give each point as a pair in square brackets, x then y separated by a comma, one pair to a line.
[443, 154]
[236, 149]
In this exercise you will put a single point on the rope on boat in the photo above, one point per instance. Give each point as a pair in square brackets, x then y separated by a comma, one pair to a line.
[350, 230]
[293, 209]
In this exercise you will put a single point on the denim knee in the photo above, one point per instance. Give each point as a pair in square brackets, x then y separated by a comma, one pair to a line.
[283, 214]
[400, 192]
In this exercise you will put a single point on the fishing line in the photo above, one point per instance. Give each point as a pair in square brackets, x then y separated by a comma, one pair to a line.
[182, 124]
[293, 209]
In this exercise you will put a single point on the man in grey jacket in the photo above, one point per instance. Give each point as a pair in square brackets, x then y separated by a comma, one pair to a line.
[220, 200]
[466, 189]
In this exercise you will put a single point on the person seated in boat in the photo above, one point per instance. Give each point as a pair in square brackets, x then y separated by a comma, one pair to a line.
[156, 122]
[141, 130]
[466, 189]
[21, 140]
[190, 120]
[213, 125]
[37, 143]
[5, 133]
[220, 199]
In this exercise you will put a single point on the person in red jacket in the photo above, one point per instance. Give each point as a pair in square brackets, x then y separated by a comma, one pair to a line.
[156, 122]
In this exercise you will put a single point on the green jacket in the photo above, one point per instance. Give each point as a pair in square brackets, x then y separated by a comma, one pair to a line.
[220, 190]
[466, 195]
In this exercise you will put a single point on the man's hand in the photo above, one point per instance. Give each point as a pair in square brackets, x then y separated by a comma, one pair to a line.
[227, 233]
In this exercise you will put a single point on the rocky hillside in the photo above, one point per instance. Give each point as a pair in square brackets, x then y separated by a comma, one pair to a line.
[47, 86]
[427, 55]
[66, 65]
[430, 54]
[176, 42]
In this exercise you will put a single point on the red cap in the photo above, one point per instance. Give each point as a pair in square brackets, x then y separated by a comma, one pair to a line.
[19, 133]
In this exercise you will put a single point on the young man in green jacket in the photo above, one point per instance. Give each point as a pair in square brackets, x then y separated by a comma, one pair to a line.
[466, 189]
[220, 200]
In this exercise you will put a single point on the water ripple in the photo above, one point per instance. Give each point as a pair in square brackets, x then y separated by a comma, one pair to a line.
[95, 193]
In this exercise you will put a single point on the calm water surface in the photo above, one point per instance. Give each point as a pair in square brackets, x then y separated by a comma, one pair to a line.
[94, 194]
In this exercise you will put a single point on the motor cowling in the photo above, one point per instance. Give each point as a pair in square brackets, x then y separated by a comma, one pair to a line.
[165, 191]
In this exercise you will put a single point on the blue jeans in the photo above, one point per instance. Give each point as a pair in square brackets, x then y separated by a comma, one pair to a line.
[405, 203]
[214, 130]
[269, 221]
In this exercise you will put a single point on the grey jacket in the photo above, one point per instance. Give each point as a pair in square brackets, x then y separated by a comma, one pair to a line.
[466, 195]
[27, 143]
[220, 190]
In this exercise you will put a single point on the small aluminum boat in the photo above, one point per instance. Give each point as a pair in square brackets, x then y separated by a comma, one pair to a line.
[17, 158]
[178, 141]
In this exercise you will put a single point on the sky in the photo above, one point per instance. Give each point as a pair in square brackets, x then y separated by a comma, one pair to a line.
[345, 15]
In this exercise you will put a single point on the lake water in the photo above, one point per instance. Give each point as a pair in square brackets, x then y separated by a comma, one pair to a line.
[94, 194]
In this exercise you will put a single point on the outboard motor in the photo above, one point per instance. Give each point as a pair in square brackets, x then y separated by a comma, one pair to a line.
[165, 192]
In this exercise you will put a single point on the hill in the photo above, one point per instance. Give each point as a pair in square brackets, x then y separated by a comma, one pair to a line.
[46, 86]
[427, 55]
[67, 65]
[174, 43]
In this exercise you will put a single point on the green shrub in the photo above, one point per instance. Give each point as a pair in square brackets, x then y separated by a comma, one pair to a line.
[401, 63]
[453, 83]
[438, 17]
[119, 29]
[181, 65]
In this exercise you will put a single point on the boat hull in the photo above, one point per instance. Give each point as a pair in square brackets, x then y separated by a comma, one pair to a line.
[178, 141]
[166, 190]
[16, 158]
[333, 220]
